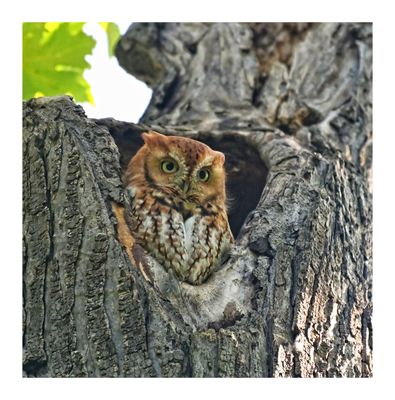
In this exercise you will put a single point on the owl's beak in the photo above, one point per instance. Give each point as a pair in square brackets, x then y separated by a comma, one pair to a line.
[185, 186]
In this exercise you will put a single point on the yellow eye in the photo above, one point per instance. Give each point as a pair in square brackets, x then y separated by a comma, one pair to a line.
[169, 166]
[204, 174]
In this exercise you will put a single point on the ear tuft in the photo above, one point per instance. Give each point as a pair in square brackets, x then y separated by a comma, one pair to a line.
[220, 157]
[153, 138]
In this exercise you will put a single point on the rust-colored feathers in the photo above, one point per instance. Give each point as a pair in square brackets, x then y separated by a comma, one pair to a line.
[178, 204]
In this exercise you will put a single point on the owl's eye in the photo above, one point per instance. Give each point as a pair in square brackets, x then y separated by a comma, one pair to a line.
[204, 174]
[169, 166]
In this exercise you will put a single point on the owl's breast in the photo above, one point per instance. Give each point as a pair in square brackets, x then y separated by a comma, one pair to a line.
[188, 226]
[186, 208]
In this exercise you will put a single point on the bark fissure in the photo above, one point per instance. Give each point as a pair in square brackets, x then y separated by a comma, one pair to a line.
[151, 351]
[50, 255]
[78, 305]
[111, 308]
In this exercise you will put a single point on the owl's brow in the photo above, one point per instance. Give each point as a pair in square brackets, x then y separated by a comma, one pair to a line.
[181, 161]
[207, 162]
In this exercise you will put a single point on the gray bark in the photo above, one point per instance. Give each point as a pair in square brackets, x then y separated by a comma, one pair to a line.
[290, 105]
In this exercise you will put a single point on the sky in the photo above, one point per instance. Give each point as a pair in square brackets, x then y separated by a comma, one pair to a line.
[116, 93]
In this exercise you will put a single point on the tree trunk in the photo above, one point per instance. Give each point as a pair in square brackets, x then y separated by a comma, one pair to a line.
[290, 106]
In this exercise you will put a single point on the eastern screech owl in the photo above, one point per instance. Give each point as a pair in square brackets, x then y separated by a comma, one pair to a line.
[178, 204]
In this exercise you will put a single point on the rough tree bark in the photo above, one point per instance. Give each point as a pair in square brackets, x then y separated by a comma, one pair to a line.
[290, 105]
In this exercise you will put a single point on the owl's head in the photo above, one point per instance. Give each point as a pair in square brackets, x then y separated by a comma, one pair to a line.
[179, 166]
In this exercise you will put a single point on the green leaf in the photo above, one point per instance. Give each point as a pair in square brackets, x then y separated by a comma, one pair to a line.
[113, 35]
[54, 60]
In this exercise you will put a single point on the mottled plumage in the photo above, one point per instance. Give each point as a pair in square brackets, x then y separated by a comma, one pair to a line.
[178, 204]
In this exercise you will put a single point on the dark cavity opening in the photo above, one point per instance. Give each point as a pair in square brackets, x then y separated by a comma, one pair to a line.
[246, 176]
[246, 172]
